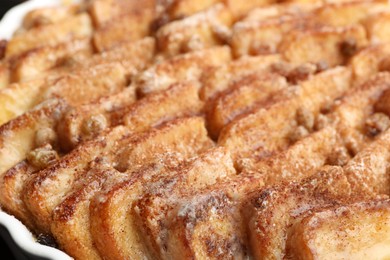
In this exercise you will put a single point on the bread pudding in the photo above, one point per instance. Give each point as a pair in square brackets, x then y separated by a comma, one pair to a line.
[200, 129]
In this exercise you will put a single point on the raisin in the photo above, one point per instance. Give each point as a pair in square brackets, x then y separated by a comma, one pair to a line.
[42, 157]
[3, 48]
[47, 240]
[376, 124]
[348, 48]
[301, 73]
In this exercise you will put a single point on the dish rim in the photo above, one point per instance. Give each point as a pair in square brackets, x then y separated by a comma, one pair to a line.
[18, 232]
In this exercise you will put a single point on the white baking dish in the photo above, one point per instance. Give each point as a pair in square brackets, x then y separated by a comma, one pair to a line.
[17, 233]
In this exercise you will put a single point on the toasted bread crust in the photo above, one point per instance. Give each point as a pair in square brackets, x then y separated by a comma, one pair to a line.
[200, 129]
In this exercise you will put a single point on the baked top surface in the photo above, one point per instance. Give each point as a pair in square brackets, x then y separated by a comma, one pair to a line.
[200, 129]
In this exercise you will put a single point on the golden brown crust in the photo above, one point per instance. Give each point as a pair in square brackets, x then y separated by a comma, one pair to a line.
[107, 227]
[218, 78]
[162, 138]
[32, 63]
[98, 81]
[72, 214]
[134, 56]
[86, 122]
[44, 190]
[128, 27]
[160, 107]
[104, 11]
[243, 95]
[112, 224]
[15, 100]
[367, 171]
[357, 230]
[208, 224]
[377, 27]
[52, 34]
[277, 119]
[369, 61]
[121, 164]
[49, 15]
[263, 37]
[17, 137]
[272, 210]
[195, 32]
[332, 45]
[11, 186]
[185, 67]
[70, 221]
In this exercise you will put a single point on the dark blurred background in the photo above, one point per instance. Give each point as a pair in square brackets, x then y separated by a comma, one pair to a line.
[5, 5]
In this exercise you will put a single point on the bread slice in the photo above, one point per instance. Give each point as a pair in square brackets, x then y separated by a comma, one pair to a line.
[218, 78]
[5, 74]
[354, 114]
[120, 161]
[263, 37]
[241, 97]
[134, 56]
[370, 61]
[113, 145]
[162, 139]
[360, 229]
[345, 131]
[263, 30]
[271, 212]
[203, 223]
[120, 64]
[377, 26]
[178, 9]
[47, 188]
[374, 177]
[104, 11]
[108, 230]
[153, 209]
[49, 15]
[112, 225]
[70, 219]
[15, 100]
[67, 225]
[11, 186]
[32, 63]
[266, 12]
[75, 27]
[267, 130]
[185, 67]
[195, 32]
[217, 208]
[332, 45]
[128, 27]
[240, 9]
[349, 12]
[300, 160]
[28, 145]
[88, 85]
[163, 106]
[86, 122]
[344, 184]
[98, 81]
[19, 136]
